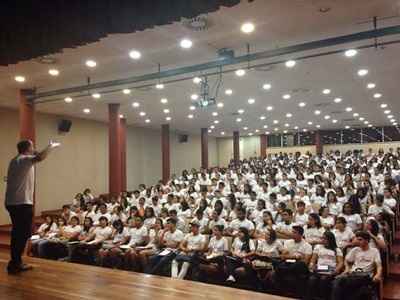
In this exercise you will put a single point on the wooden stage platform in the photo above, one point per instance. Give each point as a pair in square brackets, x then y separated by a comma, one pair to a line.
[52, 280]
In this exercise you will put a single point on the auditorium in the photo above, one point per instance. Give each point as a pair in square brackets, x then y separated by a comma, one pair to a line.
[187, 149]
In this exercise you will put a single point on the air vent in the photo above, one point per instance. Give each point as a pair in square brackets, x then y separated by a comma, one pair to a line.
[235, 114]
[265, 69]
[46, 60]
[199, 23]
[336, 112]
[349, 120]
[322, 105]
[145, 88]
[300, 91]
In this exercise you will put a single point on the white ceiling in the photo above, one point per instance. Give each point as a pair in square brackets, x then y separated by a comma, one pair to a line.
[278, 23]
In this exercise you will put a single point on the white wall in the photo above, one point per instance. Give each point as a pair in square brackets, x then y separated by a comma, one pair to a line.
[82, 161]
[248, 147]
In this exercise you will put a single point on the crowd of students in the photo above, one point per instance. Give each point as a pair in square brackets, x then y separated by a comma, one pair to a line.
[315, 224]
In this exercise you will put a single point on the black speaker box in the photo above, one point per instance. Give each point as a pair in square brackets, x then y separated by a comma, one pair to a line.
[64, 126]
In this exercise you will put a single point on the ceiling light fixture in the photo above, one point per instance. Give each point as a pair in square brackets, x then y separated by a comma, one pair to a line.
[240, 72]
[286, 96]
[190, 116]
[148, 121]
[142, 114]
[126, 91]
[349, 109]
[371, 85]
[164, 100]
[91, 63]
[196, 80]
[362, 72]
[159, 86]
[186, 43]
[168, 118]
[377, 95]
[351, 53]
[134, 54]
[194, 97]
[302, 104]
[135, 104]
[251, 101]
[96, 95]
[68, 99]
[326, 91]
[290, 63]
[19, 78]
[166, 111]
[247, 27]
[228, 92]
[269, 108]
[384, 105]
[327, 117]
[54, 72]
[220, 105]
[317, 112]
[289, 115]
[239, 120]
[86, 110]
[337, 100]
[240, 111]
[267, 86]
[192, 107]
[215, 114]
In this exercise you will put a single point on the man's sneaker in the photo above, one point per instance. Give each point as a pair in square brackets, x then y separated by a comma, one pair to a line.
[25, 267]
[231, 279]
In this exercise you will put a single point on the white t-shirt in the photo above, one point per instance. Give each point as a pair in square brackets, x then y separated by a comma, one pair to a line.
[72, 229]
[352, 220]
[237, 246]
[301, 220]
[302, 248]
[119, 237]
[314, 234]
[176, 236]
[137, 235]
[328, 221]
[343, 238]
[364, 260]
[327, 257]
[195, 242]
[218, 247]
[102, 233]
[236, 224]
[273, 250]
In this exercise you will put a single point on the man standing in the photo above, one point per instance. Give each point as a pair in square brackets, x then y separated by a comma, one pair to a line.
[19, 199]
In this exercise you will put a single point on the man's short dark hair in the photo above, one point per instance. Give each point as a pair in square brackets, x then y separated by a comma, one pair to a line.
[298, 229]
[171, 221]
[363, 234]
[23, 146]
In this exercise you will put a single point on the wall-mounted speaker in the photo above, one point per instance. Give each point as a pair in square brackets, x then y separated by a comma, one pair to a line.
[64, 126]
[183, 138]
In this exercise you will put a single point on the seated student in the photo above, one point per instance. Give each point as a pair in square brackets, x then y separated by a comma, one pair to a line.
[379, 207]
[180, 223]
[169, 242]
[242, 249]
[361, 258]
[326, 263]
[153, 246]
[284, 228]
[388, 198]
[216, 249]
[293, 268]
[101, 213]
[377, 240]
[118, 214]
[267, 223]
[313, 231]
[300, 217]
[67, 214]
[110, 253]
[343, 234]
[327, 221]
[149, 217]
[190, 250]
[47, 230]
[353, 220]
[138, 236]
[268, 248]
[202, 220]
[240, 222]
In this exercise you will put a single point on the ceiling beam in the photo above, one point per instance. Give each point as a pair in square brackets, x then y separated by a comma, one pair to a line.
[329, 42]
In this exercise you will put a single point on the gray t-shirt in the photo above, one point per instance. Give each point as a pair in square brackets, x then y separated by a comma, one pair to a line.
[20, 180]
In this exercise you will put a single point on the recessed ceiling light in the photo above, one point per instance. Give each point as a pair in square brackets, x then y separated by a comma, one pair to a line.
[186, 43]
[250, 134]
[134, 54]
[356, 114]
[347, 127]
[389, 117]
[296, 127]
[68, 99]
[275, 121]
[192, 107]
[86, 110]
[168, 118]
[326, 91]
[309, 123]
[267, 86]
[377, 95]
[159, 86]
[164, 100]
[386, 112]
[327, 117]
[302, 104]
[362, 72]
[245, 128]
[96, 95]
[317, 112]
[351, 52]
[251, 101]
[142, 113]
[209, 131]
[262, 118]
[285, 131]
[276, 128]
[265, 126]
[289, 115]
[269, 108]
[166, 111]
[54, 72]
[394, 123]
[190, 116]
[337, 100]
[383, 105]
[286, 96]
[194, 97]
[91, 63]
[334, 121]
[305, 130]
[121, 116]
[228, 92]
[240, 111]
[126, 91]
[287, 125]
[393, 120]
[216, 122]
[366, 122]
[318, 126]
[290, 63]
[361, 118]
[247, 27]
[267, 132]
[215, 114]
[196, 80]
[212, 126]
[222, 133]
[371, 85]
[135, 104]
[19, 78]
[240, 72]
[148, 121]
[220, 105]
[239, 120]
[369, 125]
[256, 130]
[349, 109]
